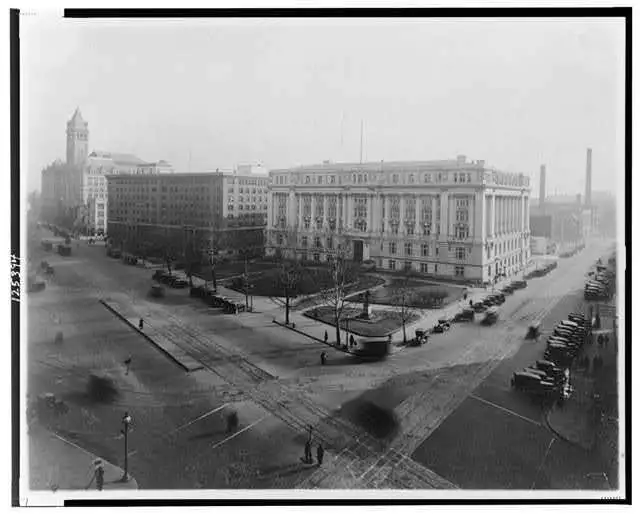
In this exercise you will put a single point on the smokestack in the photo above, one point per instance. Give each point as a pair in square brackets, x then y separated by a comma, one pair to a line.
[587, 193]
[543, 184]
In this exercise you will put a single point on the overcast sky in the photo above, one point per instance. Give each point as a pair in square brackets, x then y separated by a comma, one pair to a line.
[515, 93]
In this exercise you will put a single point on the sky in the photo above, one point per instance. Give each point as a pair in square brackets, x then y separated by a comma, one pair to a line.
[207, 94]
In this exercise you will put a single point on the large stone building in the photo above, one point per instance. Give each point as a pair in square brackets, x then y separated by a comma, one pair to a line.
[452, 218]
[102, 164]
[74, 193]
[182, 215]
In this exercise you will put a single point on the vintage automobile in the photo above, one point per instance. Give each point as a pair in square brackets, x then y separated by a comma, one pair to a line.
[465, 315]
[422, 336]
[490, 317]
[157, 291]
[532, 383]
[519, 284]
[479, 307]
[534, 331]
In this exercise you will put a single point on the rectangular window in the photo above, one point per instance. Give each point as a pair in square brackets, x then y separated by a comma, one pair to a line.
[392, 264]
[317, 242]
[407, 265]
[316, 257]
[460, 253]
[424, 250]
[392, 248]
[459, 271]
[423, 267]
[410, 230]
[408, 249]
[304, 241]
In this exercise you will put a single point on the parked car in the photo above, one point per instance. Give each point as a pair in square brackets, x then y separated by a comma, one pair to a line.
[179, 283]
[551, 369]
[508, 289]
[577, 317]
[519, 284]
[531, 383]
[500, 298]
[479, 307]
[465, 315]
[157, 291]
[490, 317]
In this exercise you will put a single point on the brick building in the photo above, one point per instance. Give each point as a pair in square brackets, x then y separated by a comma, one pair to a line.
[181, 215]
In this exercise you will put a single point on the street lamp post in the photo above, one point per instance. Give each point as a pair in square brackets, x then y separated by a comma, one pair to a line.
[126, 422]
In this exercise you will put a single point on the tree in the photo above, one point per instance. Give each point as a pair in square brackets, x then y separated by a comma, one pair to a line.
[339, 274]
[403, 295]
[289, 270]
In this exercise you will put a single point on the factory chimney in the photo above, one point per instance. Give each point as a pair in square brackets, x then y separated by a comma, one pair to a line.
[543, 184]
[587, 193]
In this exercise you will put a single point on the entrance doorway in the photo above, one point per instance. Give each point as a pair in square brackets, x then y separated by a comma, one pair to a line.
[358, 250]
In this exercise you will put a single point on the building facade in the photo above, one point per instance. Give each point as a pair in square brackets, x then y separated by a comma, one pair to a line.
[245, 197]
[94, 187]
[181, 215]
[453, 218]
[74, 193]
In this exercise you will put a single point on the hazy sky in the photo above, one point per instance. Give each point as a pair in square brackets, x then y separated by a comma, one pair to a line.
[286, 92]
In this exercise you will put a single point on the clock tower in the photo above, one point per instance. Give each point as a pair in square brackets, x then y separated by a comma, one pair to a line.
[77, 140]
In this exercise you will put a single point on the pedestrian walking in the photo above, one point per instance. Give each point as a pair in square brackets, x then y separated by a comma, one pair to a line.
[470, 303]
[141, 324]
[465, 296]
[326, 337]
[98, 475]
[600, 340]
[323, 358]
[308, 458]
[320, 454]
[606, 340]
[127, 364]
[352, 341]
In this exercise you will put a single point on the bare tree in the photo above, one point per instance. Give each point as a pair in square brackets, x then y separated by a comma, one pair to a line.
[290, 270]
[340, 273]
[402, 296]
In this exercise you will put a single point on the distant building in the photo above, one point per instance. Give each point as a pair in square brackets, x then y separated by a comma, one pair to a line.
[74, 193]
[453, 218]
[245, 197]
[182, 215]
[99, 166]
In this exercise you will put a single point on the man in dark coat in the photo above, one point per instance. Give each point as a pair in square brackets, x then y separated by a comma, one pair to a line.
[320, 454]
[141, 324]
[323, 358]
[326, 337]
[308, 458]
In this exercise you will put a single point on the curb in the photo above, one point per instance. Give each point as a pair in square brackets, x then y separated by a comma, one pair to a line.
[146, 336]
[310, 336]
[563, 437]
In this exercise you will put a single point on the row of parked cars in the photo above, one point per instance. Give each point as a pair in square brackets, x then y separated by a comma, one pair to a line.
[164, 277]
[571, 253]
[548, 378]
[212, 298]
[542, 271]
[601, 284]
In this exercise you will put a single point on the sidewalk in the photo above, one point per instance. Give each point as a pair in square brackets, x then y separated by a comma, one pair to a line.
[55, 463]
[574, 420]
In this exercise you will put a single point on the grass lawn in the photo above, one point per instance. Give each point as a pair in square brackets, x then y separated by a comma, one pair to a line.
[385, 322]
[267, 282]
[420, 297]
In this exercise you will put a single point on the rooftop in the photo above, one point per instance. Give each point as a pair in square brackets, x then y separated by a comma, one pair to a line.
[386, 165]
[118, 158]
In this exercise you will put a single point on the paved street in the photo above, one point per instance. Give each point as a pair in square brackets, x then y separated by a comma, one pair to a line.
[273, 378]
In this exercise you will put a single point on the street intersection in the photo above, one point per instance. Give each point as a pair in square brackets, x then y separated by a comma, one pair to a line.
[273, 378]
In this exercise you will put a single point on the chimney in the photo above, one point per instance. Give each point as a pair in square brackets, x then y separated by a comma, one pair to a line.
[543, 184]
[587, 193]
